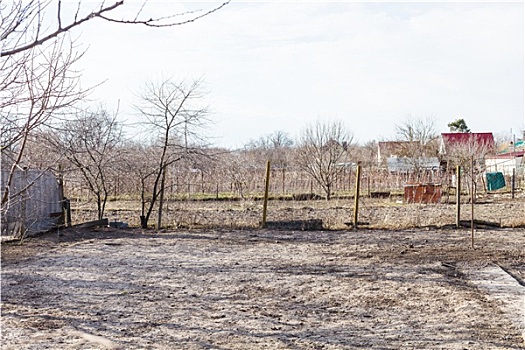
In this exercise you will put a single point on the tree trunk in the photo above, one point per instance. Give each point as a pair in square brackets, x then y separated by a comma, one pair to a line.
[161, 200]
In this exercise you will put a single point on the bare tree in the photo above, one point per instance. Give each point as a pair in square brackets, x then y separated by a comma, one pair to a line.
[34, 88]
[420, 141]
[322, 152]
[140, 166]
[202, 165]
[174, 114]
[275, 147]
[90, 142]
[237, 171]
[469, 151]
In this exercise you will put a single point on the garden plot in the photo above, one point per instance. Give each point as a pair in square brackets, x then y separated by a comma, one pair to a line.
[258, 289]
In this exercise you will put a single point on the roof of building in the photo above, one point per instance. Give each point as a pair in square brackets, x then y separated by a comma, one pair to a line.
[459, 138]
[394, 145]
[404, 164]
[510, 147]
[386, 149]
[463, 137]
[509, 155]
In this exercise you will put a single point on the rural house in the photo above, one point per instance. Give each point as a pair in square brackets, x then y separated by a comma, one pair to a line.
[454, 140]
[398, 157]
[387, 149]
[509, 159]
[462, 147]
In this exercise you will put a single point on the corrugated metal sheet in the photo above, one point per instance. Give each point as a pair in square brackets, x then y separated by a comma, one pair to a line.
[495, 181]
[406, 165]
[422, 193]
[37, 204]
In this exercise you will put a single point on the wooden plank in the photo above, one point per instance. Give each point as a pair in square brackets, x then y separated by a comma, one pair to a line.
[102, 222]
[303, 225]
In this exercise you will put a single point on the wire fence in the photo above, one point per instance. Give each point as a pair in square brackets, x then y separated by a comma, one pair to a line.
[196, 202]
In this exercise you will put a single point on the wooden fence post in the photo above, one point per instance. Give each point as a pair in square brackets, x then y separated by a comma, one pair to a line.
[67, 209]
[266, 190]
[472, 199]
[458, 196]
[356, 194]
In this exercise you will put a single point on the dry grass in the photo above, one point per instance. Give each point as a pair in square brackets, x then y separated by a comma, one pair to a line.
[390, 213]
[259, 289]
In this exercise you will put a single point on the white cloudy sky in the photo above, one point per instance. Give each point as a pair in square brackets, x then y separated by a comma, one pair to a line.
[280, 65]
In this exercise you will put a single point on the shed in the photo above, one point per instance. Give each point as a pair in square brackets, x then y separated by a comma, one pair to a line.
[36, 205]
[422, 193]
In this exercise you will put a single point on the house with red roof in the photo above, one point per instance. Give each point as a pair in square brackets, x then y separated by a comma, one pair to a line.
[451, 140]
[460, 148]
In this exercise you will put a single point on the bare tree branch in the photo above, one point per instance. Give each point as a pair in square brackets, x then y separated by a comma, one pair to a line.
[35, 90]
[22, 16]
[156, 22]
[58, 31]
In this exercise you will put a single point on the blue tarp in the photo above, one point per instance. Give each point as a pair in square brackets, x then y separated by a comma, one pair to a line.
[495, 181]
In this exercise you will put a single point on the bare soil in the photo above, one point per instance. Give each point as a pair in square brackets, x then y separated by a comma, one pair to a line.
[258, 289]
[389, 213]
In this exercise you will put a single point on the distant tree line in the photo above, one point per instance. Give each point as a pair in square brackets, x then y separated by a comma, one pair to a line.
[46, 125]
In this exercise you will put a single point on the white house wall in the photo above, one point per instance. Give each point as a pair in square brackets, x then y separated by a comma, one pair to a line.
[505, 166]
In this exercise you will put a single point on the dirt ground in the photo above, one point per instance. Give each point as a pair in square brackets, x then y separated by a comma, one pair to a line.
[389, 213]
[258, 289]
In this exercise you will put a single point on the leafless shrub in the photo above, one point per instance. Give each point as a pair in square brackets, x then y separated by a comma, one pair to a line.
[322, 152]
[175, 114]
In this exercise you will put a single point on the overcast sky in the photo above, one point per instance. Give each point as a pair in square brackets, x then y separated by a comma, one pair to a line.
[271, 66]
